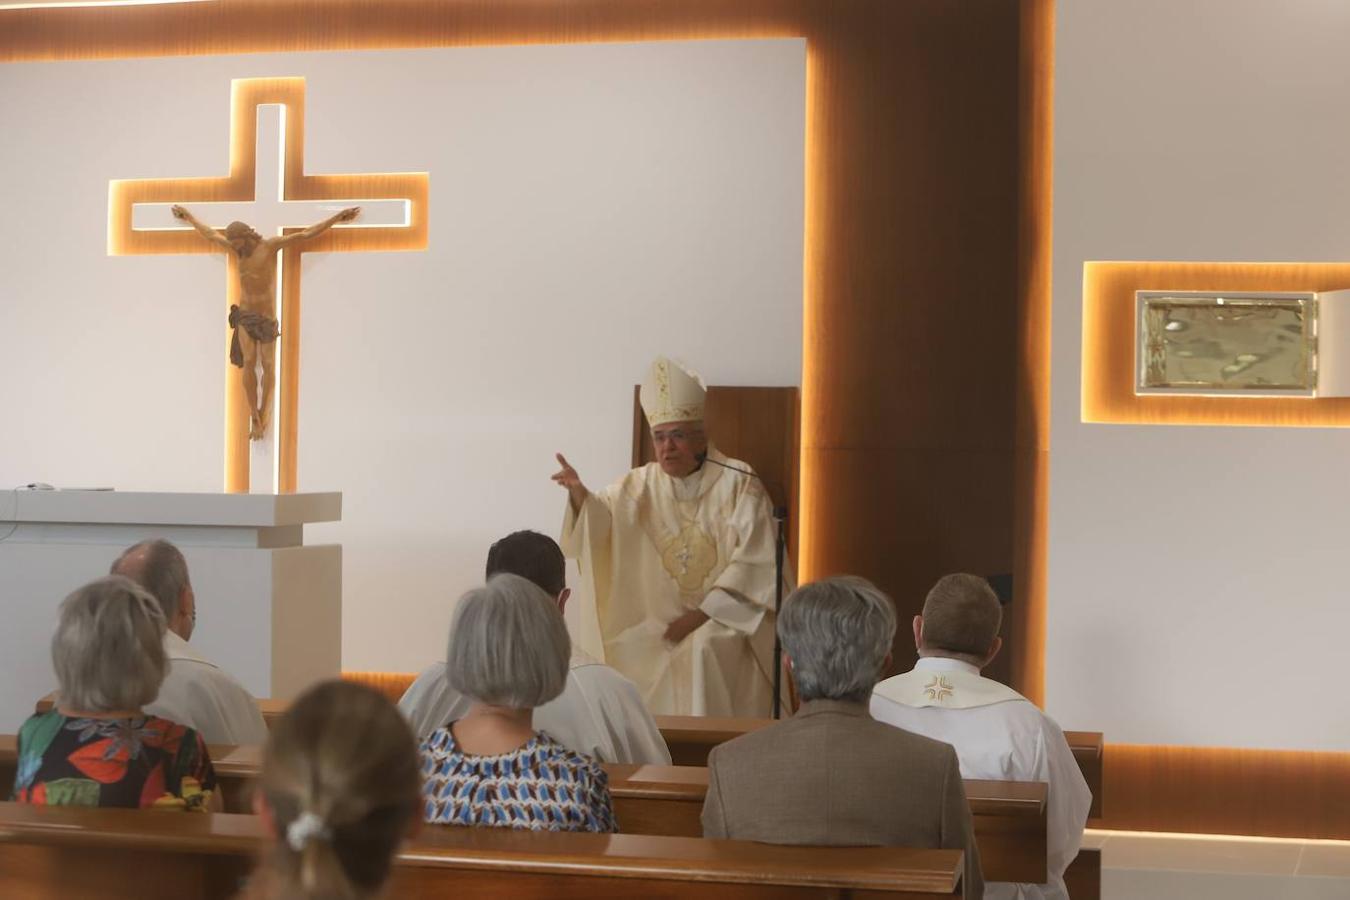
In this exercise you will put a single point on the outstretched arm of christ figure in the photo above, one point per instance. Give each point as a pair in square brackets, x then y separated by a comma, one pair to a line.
[180, 213]
[316, 229]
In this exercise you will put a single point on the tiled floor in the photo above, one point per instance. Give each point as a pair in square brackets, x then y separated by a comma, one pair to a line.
[1139, 866]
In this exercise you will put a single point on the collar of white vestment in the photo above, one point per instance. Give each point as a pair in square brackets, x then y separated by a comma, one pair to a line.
[177, 648]
[947, 683]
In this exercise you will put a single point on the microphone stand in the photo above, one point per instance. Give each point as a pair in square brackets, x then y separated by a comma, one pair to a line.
[780, 549]
[780, 514]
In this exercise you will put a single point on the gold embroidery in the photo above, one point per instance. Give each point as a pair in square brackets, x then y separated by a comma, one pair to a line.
[688, 557]
[938, 689]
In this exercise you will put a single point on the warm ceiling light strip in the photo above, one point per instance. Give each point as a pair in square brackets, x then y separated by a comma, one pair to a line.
[75, 4]
[1108, 344]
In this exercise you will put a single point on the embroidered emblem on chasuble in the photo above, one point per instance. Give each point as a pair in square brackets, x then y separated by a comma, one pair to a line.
[688, 557]
[938, 689]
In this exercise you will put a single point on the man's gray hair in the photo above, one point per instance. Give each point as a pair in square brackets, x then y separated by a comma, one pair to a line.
[108, 650]
[508, 645]
[837, 632]
[159, 567]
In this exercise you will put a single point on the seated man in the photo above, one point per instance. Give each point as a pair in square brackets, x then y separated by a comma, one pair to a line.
[830, 775]
[599, 712]
[997, 733]
[196, 692]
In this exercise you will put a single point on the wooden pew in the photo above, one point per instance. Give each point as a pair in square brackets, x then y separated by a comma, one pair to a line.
[666, 801]
[691, 739]
[1009, 816]
[115, 854]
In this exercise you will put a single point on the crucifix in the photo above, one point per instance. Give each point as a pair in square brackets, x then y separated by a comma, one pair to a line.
[271, 190]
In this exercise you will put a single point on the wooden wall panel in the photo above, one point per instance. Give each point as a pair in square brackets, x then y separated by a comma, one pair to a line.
[908, 398]
[1031, 465]
[1211, 790]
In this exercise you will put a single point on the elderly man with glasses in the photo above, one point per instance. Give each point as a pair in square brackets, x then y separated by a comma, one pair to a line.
[677, 564]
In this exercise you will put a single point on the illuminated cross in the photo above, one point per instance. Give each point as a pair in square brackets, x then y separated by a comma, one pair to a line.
[270, 191]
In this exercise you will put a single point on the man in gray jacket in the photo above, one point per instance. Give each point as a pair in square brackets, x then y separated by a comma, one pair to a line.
[831, 775]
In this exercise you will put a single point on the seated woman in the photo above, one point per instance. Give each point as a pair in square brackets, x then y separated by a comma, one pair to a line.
[508, 653]
[96, 747]
[340, 789]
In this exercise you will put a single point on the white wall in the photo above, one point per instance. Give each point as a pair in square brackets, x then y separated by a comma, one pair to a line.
[591, 206]
[1197, 589]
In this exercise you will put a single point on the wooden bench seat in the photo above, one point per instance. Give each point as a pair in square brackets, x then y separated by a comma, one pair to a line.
[65, 852]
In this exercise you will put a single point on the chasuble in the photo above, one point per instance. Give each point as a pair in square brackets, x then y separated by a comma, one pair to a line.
[652, 547]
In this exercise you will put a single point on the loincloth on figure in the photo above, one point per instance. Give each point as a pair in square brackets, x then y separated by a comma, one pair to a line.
[262, 329]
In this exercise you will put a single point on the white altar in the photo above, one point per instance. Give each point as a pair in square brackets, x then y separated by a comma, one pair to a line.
[269, 609]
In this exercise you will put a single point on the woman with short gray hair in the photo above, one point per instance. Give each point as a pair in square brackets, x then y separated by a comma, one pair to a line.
[96, 746]
[509, 653]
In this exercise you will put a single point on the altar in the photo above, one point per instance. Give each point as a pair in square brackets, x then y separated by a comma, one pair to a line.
[269, 608]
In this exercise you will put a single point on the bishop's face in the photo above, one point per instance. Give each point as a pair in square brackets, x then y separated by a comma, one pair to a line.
[680, 447]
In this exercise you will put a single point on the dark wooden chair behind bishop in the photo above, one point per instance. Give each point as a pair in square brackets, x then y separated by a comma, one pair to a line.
[760, 425]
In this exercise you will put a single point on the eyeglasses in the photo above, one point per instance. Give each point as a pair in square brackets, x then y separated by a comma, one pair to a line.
[676, 435]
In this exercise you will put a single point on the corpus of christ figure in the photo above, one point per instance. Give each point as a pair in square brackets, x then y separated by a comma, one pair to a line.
[254, 320]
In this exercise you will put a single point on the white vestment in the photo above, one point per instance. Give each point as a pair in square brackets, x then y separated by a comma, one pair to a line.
[652, 547]
[598, 713]
[200, 695]
[1001, 736]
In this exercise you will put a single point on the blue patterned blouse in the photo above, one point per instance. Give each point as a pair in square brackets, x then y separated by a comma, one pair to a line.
[542, 786]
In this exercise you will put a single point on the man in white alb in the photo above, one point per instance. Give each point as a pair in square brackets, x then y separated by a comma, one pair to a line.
[678, 559]
[998, 734]
[196, 692]
[599, 712]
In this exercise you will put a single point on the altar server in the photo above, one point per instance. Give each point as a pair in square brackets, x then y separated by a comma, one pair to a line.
[196, 691]
[599, 712]
[677, 562]
[998, 734]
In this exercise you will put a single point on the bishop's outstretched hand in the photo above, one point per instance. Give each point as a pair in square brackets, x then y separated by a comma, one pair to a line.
[568, 478]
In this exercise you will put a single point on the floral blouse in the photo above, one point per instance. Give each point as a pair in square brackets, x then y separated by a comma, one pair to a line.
[541, 786]
[139, 762]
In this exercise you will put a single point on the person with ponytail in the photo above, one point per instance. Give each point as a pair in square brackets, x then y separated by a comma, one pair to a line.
[339, 792]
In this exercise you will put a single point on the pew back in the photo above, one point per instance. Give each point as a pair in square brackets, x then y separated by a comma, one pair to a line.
[50, 853]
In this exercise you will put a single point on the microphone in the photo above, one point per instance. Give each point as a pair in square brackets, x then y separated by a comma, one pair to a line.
[779, 512]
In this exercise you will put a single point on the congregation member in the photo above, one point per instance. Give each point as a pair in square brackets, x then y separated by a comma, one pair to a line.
[508, 654]
[998, 734]
[196, 691]
[831, 775]
[598, 714]
[340, 790]
[677, 559]
[98, 746]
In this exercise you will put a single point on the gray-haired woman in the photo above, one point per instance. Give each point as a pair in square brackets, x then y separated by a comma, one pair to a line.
[509, 653]
[97, 747]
